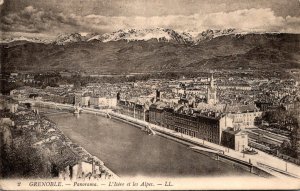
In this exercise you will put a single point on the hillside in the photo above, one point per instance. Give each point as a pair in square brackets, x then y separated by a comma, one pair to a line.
[230, 51]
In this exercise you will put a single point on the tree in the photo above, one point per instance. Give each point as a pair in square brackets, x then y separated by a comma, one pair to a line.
[258, 121]
[23, 160]
[281, 119]
[286, 148]
[295, 139]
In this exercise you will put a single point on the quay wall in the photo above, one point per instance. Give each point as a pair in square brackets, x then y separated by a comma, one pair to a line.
[244, 165]
[37, 104]
[224, 158]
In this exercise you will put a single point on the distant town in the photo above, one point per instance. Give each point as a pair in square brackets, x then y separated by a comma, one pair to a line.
[230, 114]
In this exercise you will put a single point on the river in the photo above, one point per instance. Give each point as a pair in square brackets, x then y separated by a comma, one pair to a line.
[128, 151]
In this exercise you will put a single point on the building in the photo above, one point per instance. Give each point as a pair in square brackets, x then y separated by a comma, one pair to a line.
[110, 102]
[66, 85]
[77, 98]
[243, 115]
[85, 100]
[13, 107]
[6, 121]
[291, 103]
[201, 124]
[126, 108]
[64, 98]
[82, 168]
[141, 112]
[8, 104]
[211, 92]
[13, 75]
[243, 87]
[133, 109]
[196, 91]
[95, 100]
[267, 105]
[235, 139]
[178, 90]
[156, 112]
[65, 74]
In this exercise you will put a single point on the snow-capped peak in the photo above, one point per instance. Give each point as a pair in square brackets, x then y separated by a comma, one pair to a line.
[160, 34]
[22, 38]
[213, 33]
[63, 39]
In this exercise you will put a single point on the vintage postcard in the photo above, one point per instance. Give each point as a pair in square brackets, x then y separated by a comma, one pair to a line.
[149, 94]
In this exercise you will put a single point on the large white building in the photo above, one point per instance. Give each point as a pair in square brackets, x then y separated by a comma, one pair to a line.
[243, 115]
[103, 101]
[85, 100]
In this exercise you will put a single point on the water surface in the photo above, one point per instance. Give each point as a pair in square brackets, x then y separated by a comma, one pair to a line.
[128, 151]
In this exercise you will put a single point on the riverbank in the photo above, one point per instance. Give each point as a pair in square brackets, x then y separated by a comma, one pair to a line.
[106, 172]
[58, 156]
[130, 152]
[276, 166]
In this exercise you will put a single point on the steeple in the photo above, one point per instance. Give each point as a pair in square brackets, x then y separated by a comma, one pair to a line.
[212, 82]
[211, 91]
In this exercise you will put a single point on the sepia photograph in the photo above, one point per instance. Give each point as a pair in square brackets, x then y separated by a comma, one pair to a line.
[149, 94]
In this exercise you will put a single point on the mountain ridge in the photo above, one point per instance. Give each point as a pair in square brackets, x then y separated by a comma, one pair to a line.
[254, 51]
[159, 34]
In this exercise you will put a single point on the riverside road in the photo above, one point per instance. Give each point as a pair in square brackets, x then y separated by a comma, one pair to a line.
[128, 151]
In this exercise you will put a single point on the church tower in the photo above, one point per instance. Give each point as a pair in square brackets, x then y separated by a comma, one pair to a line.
[211, 92]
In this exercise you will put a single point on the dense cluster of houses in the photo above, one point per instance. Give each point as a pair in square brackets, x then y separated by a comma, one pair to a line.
[66, 159]
[183, 104]
[206, 121]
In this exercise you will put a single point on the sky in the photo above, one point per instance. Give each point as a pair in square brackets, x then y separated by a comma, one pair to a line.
[48, 18]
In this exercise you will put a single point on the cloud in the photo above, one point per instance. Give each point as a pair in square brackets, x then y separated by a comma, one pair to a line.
[34, 20]
[292, 24]
[244, 19]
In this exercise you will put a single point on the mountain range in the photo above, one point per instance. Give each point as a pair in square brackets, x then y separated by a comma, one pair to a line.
[159, 34]
[150, 50]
